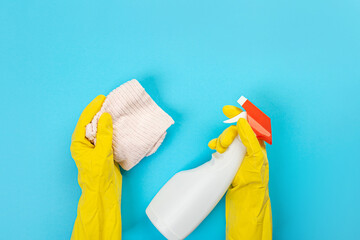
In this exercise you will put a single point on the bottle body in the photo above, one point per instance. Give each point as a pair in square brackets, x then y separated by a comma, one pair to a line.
[189, 196]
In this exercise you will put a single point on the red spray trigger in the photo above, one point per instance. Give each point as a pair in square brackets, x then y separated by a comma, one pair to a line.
[259, 121]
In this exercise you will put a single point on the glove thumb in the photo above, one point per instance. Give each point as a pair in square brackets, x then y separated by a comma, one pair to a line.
[249, 139]
[104, 133]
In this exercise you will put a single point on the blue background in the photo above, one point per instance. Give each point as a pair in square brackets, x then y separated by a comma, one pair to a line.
[298, 61]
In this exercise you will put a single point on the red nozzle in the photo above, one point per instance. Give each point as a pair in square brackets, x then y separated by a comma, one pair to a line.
[259, 121]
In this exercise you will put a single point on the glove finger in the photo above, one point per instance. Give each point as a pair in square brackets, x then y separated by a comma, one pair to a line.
[86, 117]
[219, 147]
[248, 138]
[104, 134]
[212, 144]
[221, 143]
[231, 111]
[228, 136]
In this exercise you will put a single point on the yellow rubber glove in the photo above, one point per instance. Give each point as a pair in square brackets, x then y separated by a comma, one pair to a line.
[98, 213]
[248, 208]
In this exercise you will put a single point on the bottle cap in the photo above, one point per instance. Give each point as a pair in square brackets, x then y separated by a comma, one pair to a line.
[259, 121]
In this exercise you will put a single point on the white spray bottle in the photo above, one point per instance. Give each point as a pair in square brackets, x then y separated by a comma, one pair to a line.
[189, 196]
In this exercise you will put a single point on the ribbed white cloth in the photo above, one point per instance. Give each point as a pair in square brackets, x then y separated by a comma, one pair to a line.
[139, 123]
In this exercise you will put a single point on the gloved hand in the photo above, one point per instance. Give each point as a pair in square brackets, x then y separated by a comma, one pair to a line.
[98, 213]
[248, 208]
